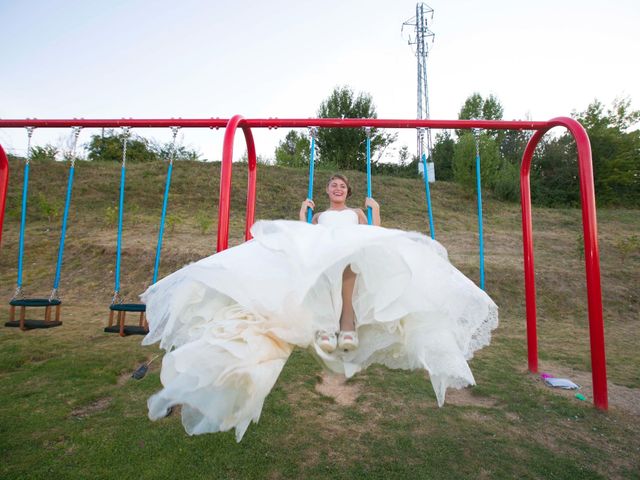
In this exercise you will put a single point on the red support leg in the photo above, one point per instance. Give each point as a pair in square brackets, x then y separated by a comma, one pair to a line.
[4, 183]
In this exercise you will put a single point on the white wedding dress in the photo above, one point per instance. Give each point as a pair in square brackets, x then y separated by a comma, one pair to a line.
[230, 321]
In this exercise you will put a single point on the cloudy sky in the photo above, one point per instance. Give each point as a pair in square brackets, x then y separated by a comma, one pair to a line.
[281, 58]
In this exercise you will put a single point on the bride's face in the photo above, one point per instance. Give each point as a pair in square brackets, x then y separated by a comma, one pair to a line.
[337, 191]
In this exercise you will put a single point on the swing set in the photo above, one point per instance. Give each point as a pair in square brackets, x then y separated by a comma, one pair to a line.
[539, 128]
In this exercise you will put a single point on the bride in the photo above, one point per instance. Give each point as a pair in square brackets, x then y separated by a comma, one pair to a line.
[350, 293]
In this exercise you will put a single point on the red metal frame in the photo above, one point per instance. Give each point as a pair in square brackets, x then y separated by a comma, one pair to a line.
[591, 255]
[225, 182]
[587, 195]
[4, 183]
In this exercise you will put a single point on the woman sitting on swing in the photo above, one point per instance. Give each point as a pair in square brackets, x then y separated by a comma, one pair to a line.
[338, 191]
[230, 321]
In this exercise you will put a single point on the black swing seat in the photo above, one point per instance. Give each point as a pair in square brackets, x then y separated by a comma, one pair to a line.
[28, 324]
[118, 326]
[35, 302]
[128, 307]
[32, 324]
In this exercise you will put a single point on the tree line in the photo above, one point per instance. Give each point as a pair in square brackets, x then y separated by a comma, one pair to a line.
[107, 146]
[615, 145]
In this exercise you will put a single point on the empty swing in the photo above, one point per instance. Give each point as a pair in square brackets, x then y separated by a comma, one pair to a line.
[423, 157]
[18, 299]
[118, 325]
[476, 134]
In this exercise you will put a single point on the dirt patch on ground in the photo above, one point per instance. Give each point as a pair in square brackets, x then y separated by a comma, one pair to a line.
[465, 398]
[123, 378]
[336, 387]
[87, 410]
[620, 397]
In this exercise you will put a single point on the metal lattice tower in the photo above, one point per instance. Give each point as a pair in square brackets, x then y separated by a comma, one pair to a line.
[420, 38]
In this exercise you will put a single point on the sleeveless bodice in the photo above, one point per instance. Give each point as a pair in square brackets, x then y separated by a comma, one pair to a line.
[338, 217]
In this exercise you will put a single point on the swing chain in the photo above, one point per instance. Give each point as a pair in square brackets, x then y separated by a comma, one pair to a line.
[125, 137]
[18, 294]
[29, 135]
[174, 132]
[313, 132]
[421, 132]
[54, 295]
[367, 130]
[76, 134]
[117, 299]
[476, 134]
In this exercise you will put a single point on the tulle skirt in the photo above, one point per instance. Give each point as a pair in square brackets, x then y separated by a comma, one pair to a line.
[230, 321]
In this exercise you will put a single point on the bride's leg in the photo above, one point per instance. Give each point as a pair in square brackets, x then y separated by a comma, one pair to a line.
[347, 317]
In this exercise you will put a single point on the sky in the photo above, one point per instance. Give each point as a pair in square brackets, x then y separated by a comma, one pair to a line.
[282, 58]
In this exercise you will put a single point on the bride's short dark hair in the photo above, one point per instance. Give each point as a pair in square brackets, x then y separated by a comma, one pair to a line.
[344, 179]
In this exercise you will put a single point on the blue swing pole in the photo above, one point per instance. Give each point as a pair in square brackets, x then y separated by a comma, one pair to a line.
[65, 215]
[476, 134]
[23, 214]
[313, 131]
[165, 200]
[369, 211]
[427, 190]
[116, 290]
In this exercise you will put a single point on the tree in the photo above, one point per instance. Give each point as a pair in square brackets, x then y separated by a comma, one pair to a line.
[344, 148]
[48, 152]
[164, 151]
[615, 151]
[293, 151]
[464, 160]
[477, 108]
[442, 155]
[472, 107]
[492, 108]
[554, 173]
[619, 117]
[108, 147]
[512, 145]
[497, 174]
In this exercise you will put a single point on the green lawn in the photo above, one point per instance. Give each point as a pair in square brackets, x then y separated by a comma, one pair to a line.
[69, 408]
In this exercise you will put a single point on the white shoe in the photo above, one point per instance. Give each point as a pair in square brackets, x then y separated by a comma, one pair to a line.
[347, 341]
[326, 341]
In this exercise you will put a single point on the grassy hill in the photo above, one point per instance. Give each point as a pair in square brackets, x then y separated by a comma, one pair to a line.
[70, 410]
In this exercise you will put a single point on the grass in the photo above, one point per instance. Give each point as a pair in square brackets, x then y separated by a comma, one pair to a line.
[69, 408]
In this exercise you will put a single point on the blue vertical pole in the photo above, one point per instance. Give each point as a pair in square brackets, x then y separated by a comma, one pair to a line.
[121, 211]
[23, 218]
[311, 172]
[156, 266]
[23, 213]
[63, 233]
[428, 194]
[120, 217]
[369, 211]
[479, 193]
